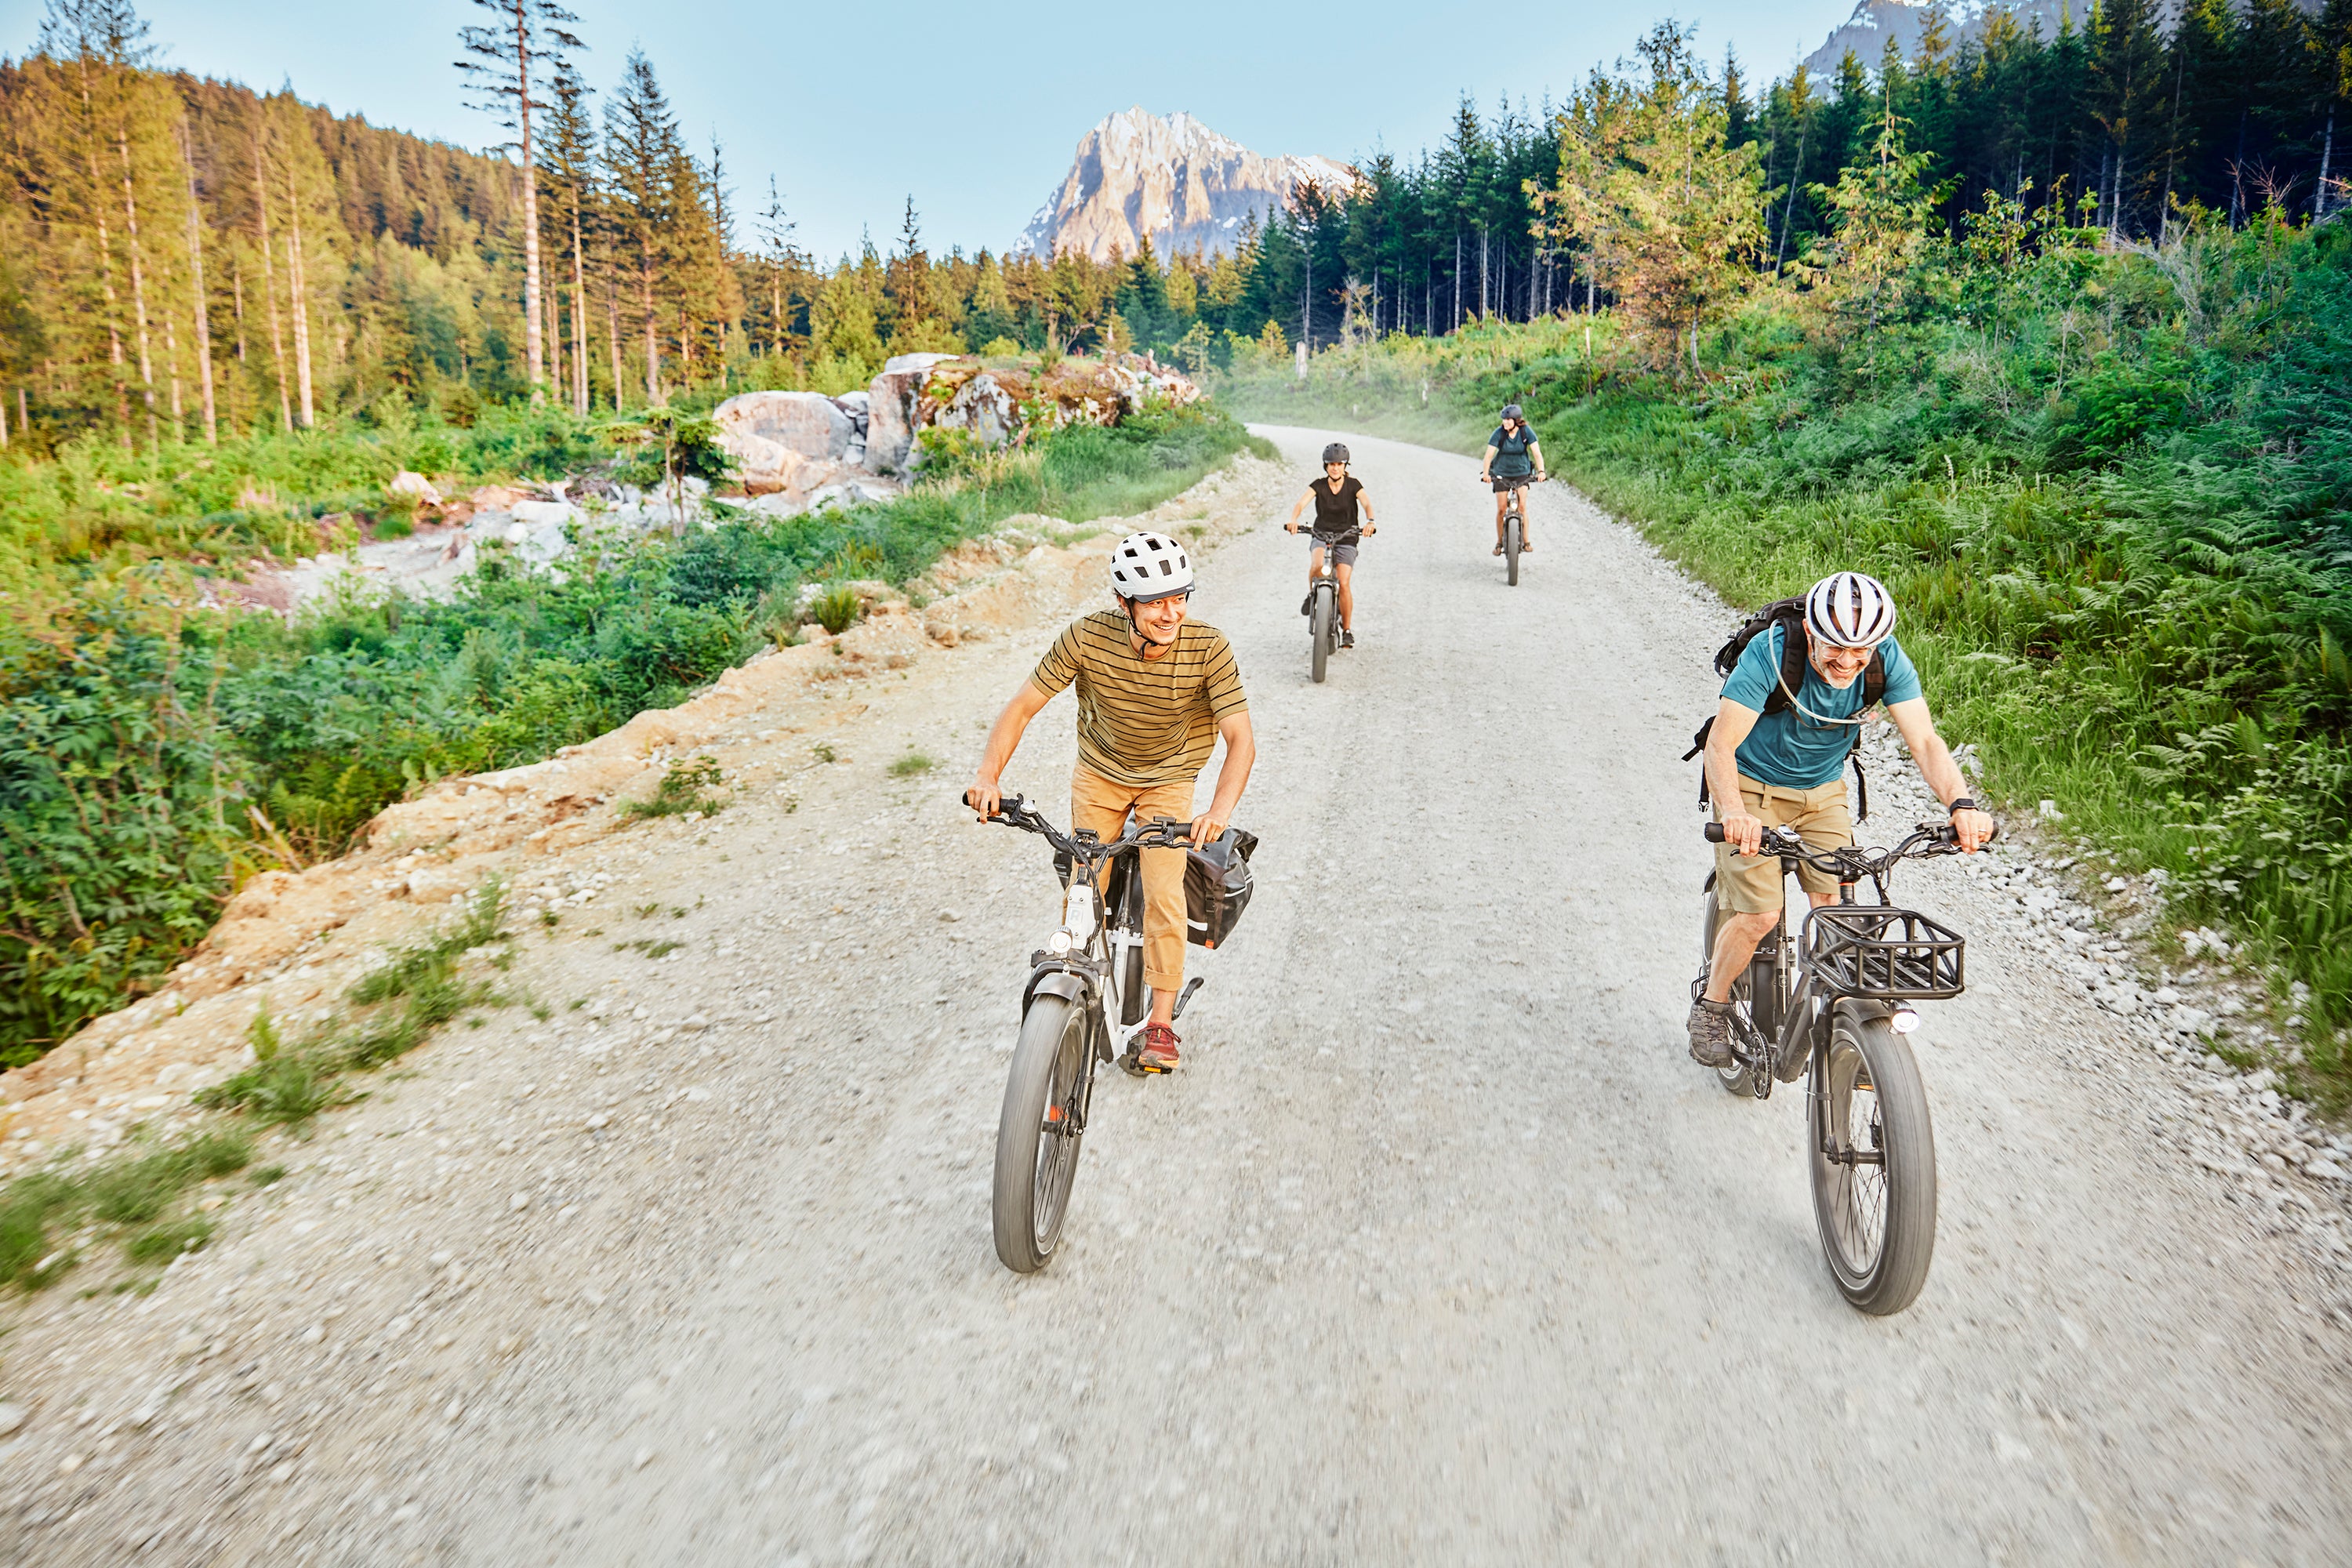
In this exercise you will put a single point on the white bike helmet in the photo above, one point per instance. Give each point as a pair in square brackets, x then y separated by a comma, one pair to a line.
[1849, 609]
[1149, 567]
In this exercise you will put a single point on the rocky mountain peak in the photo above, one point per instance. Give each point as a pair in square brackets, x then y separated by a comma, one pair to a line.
[1905, 21]
[1171, 182]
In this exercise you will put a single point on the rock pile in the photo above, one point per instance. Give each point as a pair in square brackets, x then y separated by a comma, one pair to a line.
[807, 448]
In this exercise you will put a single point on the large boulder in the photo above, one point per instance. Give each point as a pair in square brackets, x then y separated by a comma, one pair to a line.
[981, 405]
[891, 402]
[771, 434]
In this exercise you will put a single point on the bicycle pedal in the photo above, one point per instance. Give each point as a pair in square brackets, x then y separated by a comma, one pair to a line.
[1138, 1067]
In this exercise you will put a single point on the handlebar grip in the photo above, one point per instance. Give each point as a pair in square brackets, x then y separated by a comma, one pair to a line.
[1715, 833]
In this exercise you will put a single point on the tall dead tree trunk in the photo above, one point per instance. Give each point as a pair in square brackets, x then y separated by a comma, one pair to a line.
[203, 303]
[299, 295]
[269, 284]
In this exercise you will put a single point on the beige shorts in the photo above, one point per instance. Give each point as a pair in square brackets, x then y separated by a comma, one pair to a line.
[1751, 884]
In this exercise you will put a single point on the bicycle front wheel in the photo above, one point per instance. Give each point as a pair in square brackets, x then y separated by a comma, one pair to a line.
[1873, 1165]
[1511, 534]
[1037, 1133]
[1321, 629]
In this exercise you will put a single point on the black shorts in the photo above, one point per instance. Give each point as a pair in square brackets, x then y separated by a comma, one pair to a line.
[1512, 482]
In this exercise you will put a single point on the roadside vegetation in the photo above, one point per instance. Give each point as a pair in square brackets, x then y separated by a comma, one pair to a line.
[2110, 486]
[155, 752]
[150, 1200]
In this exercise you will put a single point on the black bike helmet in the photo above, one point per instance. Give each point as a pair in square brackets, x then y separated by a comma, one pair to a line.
[1511, 411]
[1335, 453]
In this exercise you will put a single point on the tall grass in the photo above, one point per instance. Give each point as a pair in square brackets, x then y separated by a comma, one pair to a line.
[2113, 494]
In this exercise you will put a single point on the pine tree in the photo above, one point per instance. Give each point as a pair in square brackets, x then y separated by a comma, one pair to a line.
[641, 155]
[568, 172]
[506, 61]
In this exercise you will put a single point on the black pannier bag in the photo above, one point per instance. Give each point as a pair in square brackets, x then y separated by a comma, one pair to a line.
[1217, 887]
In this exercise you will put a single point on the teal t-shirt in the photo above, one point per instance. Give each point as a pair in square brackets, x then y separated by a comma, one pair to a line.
[1787, 748]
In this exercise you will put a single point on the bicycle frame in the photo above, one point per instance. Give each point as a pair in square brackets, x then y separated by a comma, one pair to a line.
[1083, 959]
[1804, 998]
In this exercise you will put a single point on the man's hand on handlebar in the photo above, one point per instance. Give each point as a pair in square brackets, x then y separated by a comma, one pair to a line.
[1973, 828]
[985, 797]
[1743, 832]
[1206, 830]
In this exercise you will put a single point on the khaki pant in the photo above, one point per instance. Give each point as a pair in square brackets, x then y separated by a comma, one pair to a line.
[1750, 885]
[1096, 803]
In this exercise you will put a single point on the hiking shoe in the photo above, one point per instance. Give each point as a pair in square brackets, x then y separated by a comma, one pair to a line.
[1158, 1052]
[1307, 605]
[1346, 638]
[1710, 1033]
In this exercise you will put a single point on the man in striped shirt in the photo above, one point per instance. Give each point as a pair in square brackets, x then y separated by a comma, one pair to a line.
[1156, 692]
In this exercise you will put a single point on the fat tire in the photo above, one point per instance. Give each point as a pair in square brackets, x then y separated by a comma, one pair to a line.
[1319, 627]
[1511, 548]
[1890, 1281]
[1028, 1220]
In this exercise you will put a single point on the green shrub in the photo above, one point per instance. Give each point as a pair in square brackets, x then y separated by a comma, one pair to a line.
[118, 818]
[835, 609]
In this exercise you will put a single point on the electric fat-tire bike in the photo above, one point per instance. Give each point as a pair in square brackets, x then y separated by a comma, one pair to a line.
[1514, 530]
[1085, 1003]
[1323, 601]
[1833, 1008]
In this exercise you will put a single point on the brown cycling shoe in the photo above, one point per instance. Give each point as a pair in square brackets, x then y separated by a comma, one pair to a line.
[1710, 1033]
[1158, 1052]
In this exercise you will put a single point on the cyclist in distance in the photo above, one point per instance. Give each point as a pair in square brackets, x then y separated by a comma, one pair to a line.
[1787, 769]
[1336, 497]
[1156, 692]
[1513, 461]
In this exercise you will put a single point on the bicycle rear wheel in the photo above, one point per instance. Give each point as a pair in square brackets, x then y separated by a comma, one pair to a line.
[1874, 1164]
[1126, 902]
[1037, 1140]
[1320, 625]
[1511, 532]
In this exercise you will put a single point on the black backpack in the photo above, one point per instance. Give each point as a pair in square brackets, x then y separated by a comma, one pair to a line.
[1796, 644]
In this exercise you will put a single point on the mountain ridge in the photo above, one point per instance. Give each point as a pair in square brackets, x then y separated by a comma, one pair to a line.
[1171, 182]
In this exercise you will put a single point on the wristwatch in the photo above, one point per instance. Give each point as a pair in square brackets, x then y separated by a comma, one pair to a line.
[1965, 803]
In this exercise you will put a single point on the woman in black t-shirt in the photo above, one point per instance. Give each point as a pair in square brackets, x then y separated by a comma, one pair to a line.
[1514, 460]
[1337, 497]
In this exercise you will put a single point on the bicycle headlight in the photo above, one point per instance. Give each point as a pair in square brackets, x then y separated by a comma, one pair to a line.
[1059, 943]
[1906, 1019]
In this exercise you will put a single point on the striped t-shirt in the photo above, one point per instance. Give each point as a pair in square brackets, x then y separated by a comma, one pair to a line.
[1143, 721]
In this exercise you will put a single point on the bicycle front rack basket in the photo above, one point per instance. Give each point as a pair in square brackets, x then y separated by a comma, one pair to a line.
[1890, 955]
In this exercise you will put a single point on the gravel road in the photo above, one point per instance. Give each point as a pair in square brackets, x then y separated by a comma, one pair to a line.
[1438, 1250]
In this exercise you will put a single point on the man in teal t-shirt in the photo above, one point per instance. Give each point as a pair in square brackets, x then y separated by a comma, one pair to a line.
[1787, 769]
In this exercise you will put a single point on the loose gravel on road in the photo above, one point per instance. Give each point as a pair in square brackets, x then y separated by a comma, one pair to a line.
[1438, 1250]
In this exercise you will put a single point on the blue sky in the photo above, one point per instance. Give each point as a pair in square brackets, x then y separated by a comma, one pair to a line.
[973, 109]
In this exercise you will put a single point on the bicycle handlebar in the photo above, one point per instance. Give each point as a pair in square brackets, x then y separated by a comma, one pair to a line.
[1942, 838]
[1160, 832]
